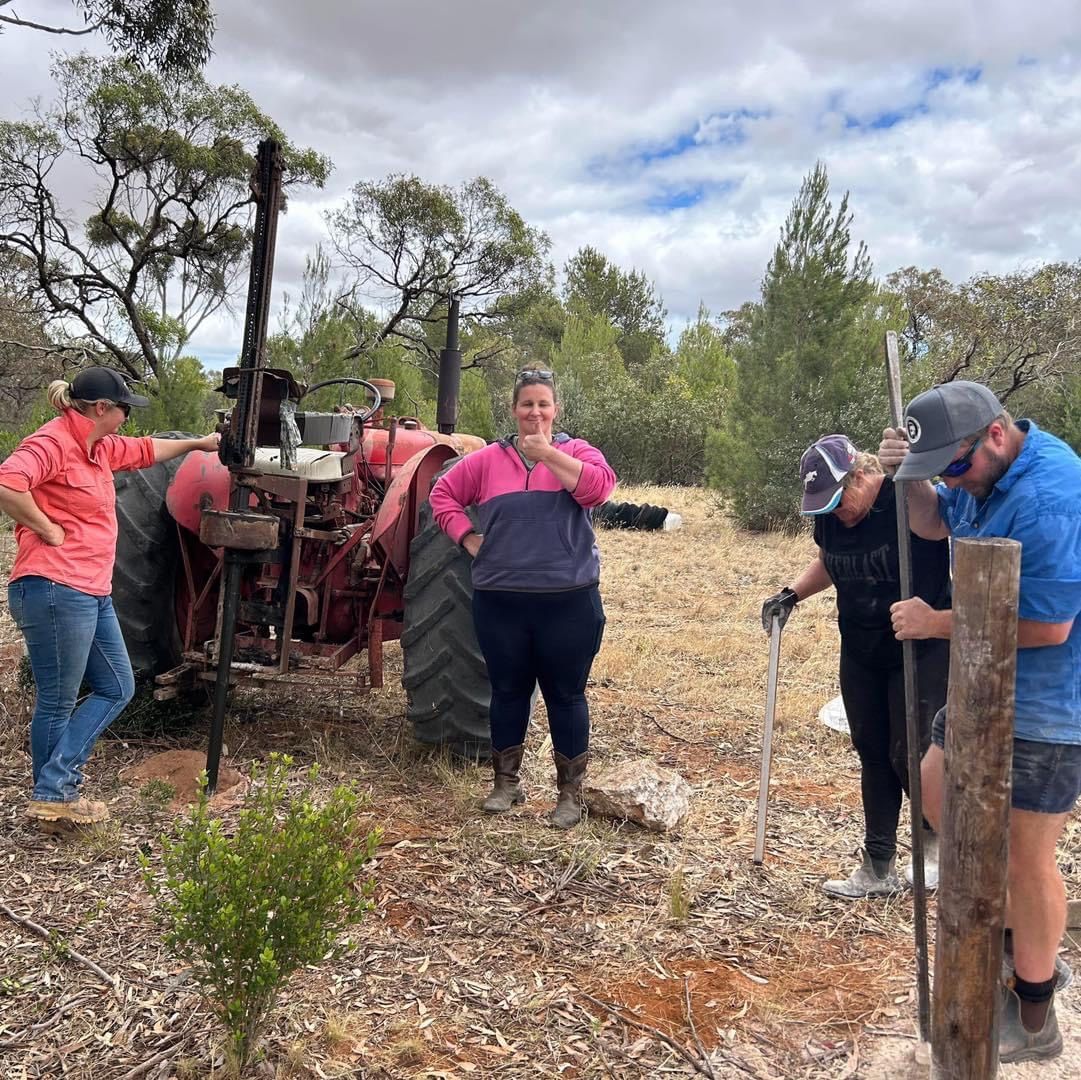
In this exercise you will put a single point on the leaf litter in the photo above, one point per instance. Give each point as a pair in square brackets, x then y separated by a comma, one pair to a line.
[499, 947]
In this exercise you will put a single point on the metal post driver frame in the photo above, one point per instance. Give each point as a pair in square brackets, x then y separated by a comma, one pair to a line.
[912, 718]
[767, 737]
[238, 451]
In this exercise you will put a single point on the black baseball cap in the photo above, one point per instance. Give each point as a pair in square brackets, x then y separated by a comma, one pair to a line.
[823, 469]
[939, 420]
[104, 384]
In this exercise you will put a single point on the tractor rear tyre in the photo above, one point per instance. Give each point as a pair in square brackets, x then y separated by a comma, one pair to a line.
[144, 575]
[445, 676]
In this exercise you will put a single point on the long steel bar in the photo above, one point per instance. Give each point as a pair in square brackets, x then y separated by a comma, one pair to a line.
[912, 715]
[767, 737]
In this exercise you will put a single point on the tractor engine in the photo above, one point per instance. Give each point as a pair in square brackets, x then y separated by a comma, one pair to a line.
[333, 499]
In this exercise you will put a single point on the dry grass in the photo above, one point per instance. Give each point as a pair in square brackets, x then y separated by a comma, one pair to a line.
[499, 947]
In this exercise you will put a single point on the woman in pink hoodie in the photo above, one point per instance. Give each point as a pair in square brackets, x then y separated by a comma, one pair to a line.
[536, 603]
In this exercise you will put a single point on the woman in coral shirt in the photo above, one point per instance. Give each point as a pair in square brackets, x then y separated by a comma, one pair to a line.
[58, 487]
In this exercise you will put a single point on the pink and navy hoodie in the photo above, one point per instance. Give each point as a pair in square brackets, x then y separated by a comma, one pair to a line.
[538, 537]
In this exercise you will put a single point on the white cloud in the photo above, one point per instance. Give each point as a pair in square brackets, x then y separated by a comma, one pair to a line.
[569, 107]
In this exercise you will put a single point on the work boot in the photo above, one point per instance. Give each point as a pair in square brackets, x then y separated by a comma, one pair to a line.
[569, 775]
[507, 791]
[79, 811]
[1016, 1042]
[930, 862]
[865, 882]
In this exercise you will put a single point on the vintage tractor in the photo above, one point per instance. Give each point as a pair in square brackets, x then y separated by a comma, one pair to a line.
[304, 544]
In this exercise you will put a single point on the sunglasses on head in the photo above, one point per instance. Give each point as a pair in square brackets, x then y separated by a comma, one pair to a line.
[534, 373]
[961, 465]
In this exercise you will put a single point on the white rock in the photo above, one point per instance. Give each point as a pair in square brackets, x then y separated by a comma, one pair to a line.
[640, 791]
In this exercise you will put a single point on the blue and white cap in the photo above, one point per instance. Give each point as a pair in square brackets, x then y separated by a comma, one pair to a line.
[823, 468]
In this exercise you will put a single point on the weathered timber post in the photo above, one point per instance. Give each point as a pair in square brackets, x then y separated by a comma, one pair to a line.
[975, 814]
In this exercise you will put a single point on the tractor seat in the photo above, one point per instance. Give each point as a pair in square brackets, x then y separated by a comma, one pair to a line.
[312, 464]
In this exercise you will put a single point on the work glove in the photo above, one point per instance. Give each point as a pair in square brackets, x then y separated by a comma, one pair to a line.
[780, 605]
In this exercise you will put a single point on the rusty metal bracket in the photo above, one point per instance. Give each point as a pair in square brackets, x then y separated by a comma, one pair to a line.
[238, 530]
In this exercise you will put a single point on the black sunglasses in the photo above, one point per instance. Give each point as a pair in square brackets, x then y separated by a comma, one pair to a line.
[124, 407]
[961, 465]
[534, 373]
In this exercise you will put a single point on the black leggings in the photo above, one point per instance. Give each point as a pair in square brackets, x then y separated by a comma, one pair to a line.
[548, 639]
[874, 700]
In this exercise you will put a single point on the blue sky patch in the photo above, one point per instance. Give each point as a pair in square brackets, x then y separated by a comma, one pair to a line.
[721, 128]
[687, 195]
[889, 118]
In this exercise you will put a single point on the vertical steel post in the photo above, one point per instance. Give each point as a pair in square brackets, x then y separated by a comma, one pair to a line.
[912, 713]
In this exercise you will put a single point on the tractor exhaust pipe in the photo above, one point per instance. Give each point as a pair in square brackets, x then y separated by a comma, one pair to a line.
[450, 375]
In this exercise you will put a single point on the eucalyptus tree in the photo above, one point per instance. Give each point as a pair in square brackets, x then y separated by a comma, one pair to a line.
[170, 35]
[129, 197]
[407, 247]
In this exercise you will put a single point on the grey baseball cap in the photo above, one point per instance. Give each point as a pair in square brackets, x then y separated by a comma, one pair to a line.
[939, 420]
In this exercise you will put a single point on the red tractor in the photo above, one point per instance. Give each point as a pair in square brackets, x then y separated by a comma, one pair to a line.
[340, 554]
[305, 543]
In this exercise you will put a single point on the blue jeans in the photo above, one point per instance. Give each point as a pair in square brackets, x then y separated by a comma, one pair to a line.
[70, 636]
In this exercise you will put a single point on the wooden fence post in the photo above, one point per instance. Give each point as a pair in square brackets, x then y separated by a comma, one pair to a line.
[976, 808]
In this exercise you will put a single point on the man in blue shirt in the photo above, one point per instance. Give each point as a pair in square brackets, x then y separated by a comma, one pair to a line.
[1007, 479]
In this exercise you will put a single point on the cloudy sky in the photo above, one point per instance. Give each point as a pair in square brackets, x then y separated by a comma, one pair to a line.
[673, 136]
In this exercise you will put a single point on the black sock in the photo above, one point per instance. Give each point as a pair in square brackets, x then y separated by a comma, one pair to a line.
[1034, 991]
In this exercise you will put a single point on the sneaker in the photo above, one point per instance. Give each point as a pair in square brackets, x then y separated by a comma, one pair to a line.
[930, 863]
[1063, 971]
[1017, 1043]
[79, 811]
[864, 882]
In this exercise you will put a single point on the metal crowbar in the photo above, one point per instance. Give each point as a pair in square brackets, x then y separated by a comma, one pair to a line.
[767, 736]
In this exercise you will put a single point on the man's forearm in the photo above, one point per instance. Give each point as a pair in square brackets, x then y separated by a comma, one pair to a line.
[923, 516]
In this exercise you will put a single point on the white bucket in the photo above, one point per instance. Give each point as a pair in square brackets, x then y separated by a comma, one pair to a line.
[832, 714]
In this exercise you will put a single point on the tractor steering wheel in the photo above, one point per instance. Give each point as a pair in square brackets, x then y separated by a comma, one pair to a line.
[377, 397]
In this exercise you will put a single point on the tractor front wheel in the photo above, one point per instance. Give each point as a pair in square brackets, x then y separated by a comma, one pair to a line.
[144, 573]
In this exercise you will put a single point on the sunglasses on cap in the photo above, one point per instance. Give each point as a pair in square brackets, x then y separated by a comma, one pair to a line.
[534, 373]
[961, 465]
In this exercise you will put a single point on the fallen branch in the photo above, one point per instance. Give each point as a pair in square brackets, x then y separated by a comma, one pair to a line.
[52, 939]
[147, 1065]
[694, 1031]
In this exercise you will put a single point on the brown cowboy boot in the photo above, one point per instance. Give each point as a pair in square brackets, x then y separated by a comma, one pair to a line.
[570, 772]
[507, 791]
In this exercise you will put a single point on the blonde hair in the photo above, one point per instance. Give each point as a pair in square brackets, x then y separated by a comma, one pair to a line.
[866, 462]
[59, 394]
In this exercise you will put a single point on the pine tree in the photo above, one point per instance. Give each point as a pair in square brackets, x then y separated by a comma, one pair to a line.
[808, 358]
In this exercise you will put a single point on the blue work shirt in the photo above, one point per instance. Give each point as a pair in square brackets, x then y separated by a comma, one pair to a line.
[1037, 502]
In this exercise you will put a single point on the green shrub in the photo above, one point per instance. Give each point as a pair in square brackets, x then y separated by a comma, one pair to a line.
[249, 908]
